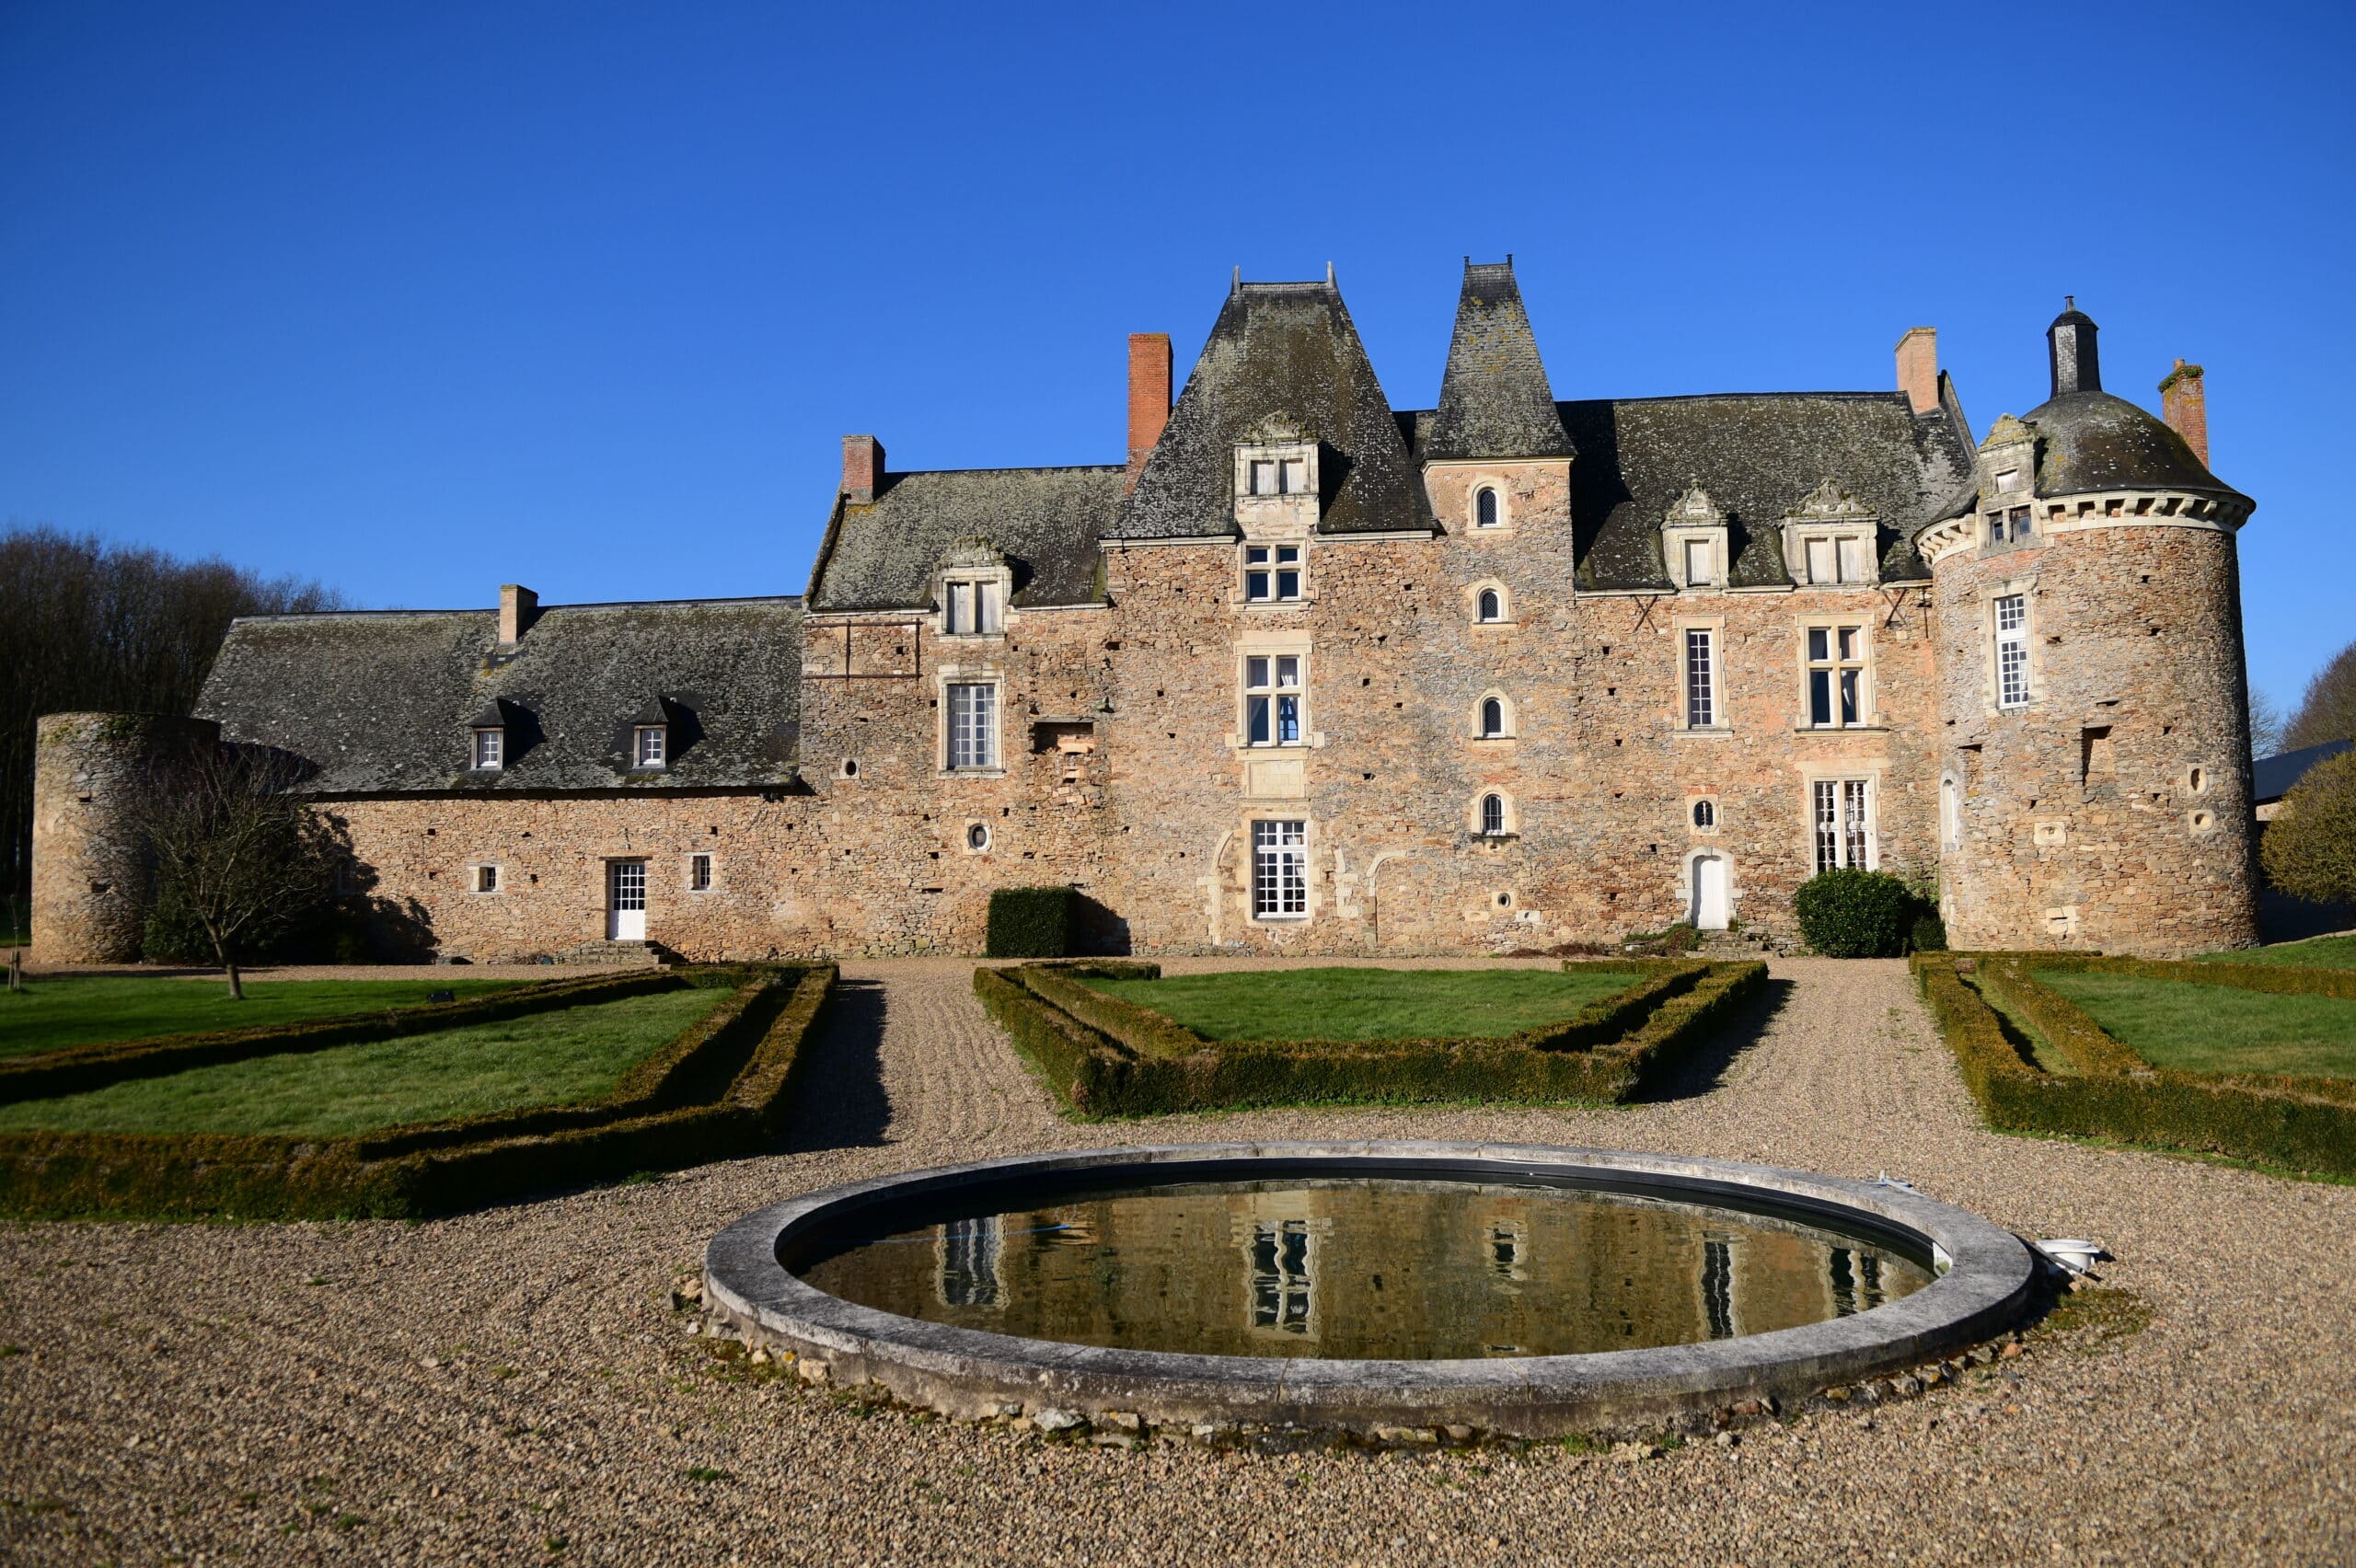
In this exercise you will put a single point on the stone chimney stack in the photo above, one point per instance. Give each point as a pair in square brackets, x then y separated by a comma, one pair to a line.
[1148, 397]
[862, 469]
[518, 609]
[2071, 342]
[1918, 367]
[2185, 406]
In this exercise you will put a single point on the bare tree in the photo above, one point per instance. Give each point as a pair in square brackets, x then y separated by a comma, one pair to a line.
[91, 627]
[237, 856]
[2265, 725]
[2327, 710]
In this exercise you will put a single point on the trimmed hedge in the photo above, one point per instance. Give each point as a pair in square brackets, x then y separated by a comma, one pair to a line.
[2302, 1123]
[1855, 913]
[102, 1062]
[1033, 922]
[1106, 1057]
[724, 1088]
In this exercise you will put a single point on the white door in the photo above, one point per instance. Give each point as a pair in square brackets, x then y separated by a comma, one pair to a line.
[1710, 893]
[626, 901]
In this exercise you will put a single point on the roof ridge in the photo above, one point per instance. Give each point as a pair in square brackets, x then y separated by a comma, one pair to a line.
[543, 612]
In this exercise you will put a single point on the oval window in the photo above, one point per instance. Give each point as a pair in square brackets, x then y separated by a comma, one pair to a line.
[1485, 508]
[1492, 606]
[977, 837]
[1705, 814]
[851, 768]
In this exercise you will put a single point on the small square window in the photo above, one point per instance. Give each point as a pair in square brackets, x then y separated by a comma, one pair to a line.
[490, 748]
[651, 748]
[1272, 574]
[486, 879]
[698, 873]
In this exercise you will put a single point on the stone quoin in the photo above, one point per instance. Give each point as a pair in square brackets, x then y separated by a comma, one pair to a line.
[1306, 673]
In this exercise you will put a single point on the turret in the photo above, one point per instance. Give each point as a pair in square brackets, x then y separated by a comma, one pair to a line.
[2095, 766]
[92, 883]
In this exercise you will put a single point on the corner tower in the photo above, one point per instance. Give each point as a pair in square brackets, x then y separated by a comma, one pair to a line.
[2094, 788]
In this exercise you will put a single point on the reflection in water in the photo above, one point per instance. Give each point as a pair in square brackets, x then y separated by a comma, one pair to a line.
[1360, 1268]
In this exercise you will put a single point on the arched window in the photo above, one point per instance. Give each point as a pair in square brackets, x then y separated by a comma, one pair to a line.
[1485, 508]
[1706, 814]
[1492, 816]
[1493, 718]
[1491, 604]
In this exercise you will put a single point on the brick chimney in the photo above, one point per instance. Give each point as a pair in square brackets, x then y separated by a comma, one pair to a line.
[1918, 367]
[862, 469]
[518, 609]
[1148, 396]
[2185, 408]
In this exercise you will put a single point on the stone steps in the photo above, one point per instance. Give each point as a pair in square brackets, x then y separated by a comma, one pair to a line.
[620, 955]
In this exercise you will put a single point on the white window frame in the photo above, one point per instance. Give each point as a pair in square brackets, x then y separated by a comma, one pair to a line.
[1700, 678]
[1279, 869]
[970, 738]
[1274, 692]
[1502, 827]
[1275, 573]
[1842, 830]
[1505, 729]
[1495, 492]
[1706, 551]
[2013, 686]
[489, 749]
[1950, 813]
[699, 865]
[650, 746]
[1489, 606]
[1847, 669]
[485, 877]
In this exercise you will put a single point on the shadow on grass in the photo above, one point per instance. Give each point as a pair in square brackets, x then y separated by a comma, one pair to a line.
[840, 1102]
[1705, 1069]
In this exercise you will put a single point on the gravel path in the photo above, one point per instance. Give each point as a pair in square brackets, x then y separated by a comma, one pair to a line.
[513, 1387]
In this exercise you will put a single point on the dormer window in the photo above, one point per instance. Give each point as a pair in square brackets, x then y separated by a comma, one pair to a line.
[973, 607]
[1485, 507]
[1279, 475]
[651, 748]
[490, 750]
[1834, 538]
[1700, 563]
[2008, 524]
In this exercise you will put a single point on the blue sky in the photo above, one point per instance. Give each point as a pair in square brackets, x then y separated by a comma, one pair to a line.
[416, 299]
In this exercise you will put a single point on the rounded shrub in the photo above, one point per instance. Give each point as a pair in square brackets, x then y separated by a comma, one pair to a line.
[1852, 913]
[1930, 932]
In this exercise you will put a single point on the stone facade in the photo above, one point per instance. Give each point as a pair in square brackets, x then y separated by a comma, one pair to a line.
[1306, 675]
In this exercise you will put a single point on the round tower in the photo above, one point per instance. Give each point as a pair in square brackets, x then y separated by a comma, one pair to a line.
[2095, 787]
[91, 877]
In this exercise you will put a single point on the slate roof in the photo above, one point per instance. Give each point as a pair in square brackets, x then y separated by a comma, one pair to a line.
[2275, 777]
[1494, 399]
[1757, 454]
[384, 701]
[2092, 441]
[1280, 354]
[1045, 521]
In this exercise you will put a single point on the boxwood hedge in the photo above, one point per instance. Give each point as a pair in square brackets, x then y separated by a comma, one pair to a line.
[2302, 1123]
[723, 1087]
[1106, 1057]
[1033, 922]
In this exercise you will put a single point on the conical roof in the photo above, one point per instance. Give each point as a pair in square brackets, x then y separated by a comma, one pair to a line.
[1494, 398]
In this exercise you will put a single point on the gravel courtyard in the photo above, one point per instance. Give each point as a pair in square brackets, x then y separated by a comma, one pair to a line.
[513, 1386]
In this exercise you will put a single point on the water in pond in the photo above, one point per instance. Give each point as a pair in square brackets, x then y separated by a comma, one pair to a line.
[1366, 1268]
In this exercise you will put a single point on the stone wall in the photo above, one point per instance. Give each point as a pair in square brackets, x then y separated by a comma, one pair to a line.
[2111, 811]
[91, 879]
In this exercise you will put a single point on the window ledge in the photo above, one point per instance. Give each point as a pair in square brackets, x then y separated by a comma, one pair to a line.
[963, 637]
[1494, 838]
[973, 773]
[1301, 604]
[1700, 732]
[1840, 729]
[1279, 919]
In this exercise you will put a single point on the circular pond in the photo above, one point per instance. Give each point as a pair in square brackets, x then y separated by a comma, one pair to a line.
[1520, 1290]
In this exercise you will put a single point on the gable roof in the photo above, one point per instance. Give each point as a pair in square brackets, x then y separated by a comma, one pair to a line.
[1493, 400]
[1045, 521]
[384, 701]
[1280, 357]
[1757, 454]
[2275, 777]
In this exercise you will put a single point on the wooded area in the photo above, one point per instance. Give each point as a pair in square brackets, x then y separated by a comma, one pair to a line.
[85, 626]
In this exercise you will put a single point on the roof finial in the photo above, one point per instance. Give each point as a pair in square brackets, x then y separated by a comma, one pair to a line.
[1328, 274]
[1237, 287]
[2069, 302]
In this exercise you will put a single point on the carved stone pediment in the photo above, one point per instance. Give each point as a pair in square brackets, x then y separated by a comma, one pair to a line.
[1694, 510]
[2005, 431]
[971, 551]
[1828, 503]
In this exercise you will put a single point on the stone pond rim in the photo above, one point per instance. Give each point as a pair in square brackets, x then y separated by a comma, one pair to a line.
[971, 1374]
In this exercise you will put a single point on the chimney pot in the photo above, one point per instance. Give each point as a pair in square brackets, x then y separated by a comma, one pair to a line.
[2184, 403]
[518, 609]
[1918, 367]
[1148, 397]
[862, 469]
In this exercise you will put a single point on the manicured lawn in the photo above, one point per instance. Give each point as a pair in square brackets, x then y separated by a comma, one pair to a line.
[550, 1058]
[2215, 1028]
[2323, 953]
[1369, 1004]
[55, 1012]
